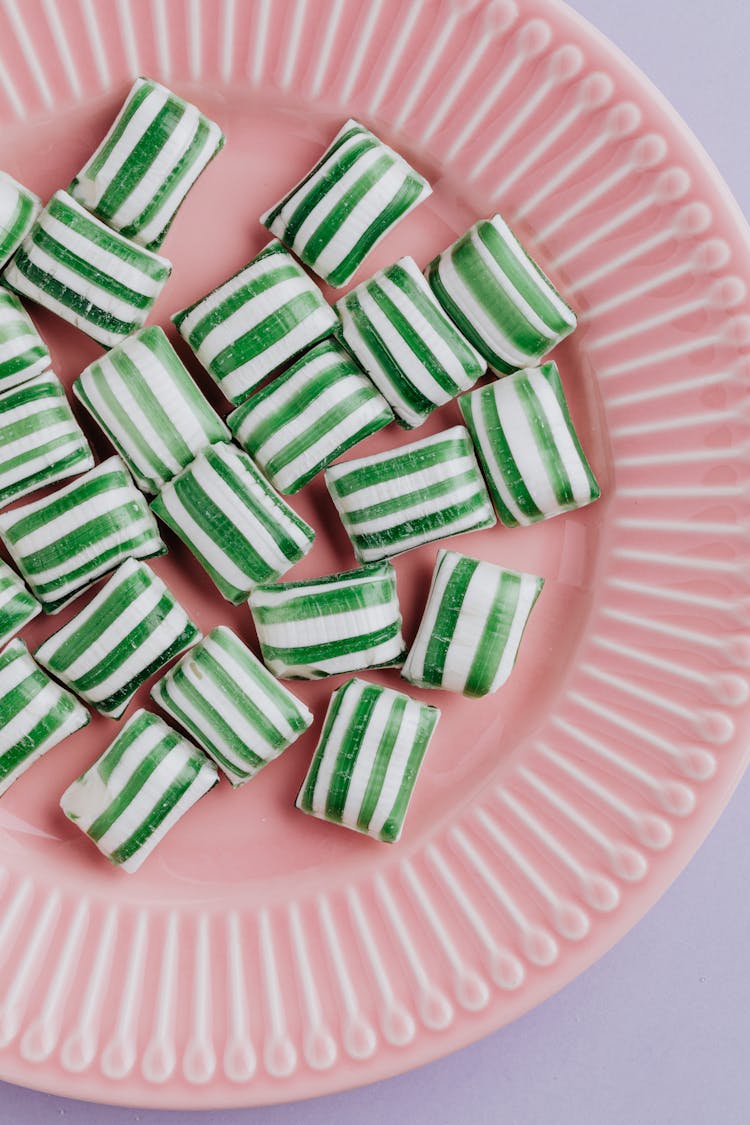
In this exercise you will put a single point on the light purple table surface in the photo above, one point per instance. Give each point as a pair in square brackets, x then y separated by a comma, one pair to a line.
[658, 1031]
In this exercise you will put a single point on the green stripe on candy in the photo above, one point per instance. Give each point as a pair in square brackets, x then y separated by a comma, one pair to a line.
[154, 152]
[231, 705]
[128, 800]
[527, 446]
[146, 402]
[19, 208]
[321, 627]
[237, 527]
[64, 542]
[130, 630]
[302, 421]
[23, 353]
[357, 191]
[256, 321]
[73, 264]
[365, 766]
[472, 626]
[394, 501]
[17, 606]
[36, 713]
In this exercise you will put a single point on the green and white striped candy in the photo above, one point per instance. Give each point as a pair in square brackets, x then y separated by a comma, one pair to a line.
[366, 763]
[40, 440]
[23, 353]
[64, 542]
[472, 626]
[138, 789]
[89, 275]
[17, 606]
[130, 630]
[237, 527]
[302, 421]
[391, 502]
[499, 298]
[414, 355]
[359, 189]
[528, 449]
[149, 407]
[256, 321]
[145, 166]
[19, 208]
[231, 705]
[36, 713]
[323, 626]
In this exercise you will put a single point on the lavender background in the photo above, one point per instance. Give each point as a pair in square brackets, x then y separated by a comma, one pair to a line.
[658, 1031]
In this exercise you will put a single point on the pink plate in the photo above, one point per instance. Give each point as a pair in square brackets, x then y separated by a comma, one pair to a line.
[263, 956]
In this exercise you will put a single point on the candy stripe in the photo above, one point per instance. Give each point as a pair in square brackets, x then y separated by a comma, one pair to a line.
[394, 501]
[237, 527]
[23, 353]
[256, 321]
[40, 440]
[147, 163]
[36, 713]
[414, 355]
[305, 419]
[528, 449]
[498, 297]
[128, 800]
[64, 542]
[150, 408]
[19, 208]
[17, 606]
[89, 275]
[366, 763]
[350, 200]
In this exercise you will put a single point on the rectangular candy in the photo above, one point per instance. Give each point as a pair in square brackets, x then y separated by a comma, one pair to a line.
[391, 502]
[261, 318]
[23, 353]
[363, 772]
[89, 275]
[130, 630]
[528, 449]
[17, 606]
[499, 297]
[36, 713]
[416, 357]
[65, 541]
[19, 208]
[40, 440]
[128, 800]
[149, 407]
[302, 421]
[359, 189]
[236, 526]
[231, 705]
[154, 152]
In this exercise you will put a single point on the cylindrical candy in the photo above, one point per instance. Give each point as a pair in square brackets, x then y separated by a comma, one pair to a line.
[359, 189]
[302, 421]
[231, 705]
[23, 353]
[363, 772]
[391, 502]
[149, 407]
[40, 440]
[256, 321]
[64, 542]
[130, 630]
[17, 606]
[323, 626]
[19, 208]
[89, 275]
[472, 625]
[528, 449]
[154, 152]
[237, 527]
[499, 298]
[36, 713]
[128, 800]
[414, 354]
